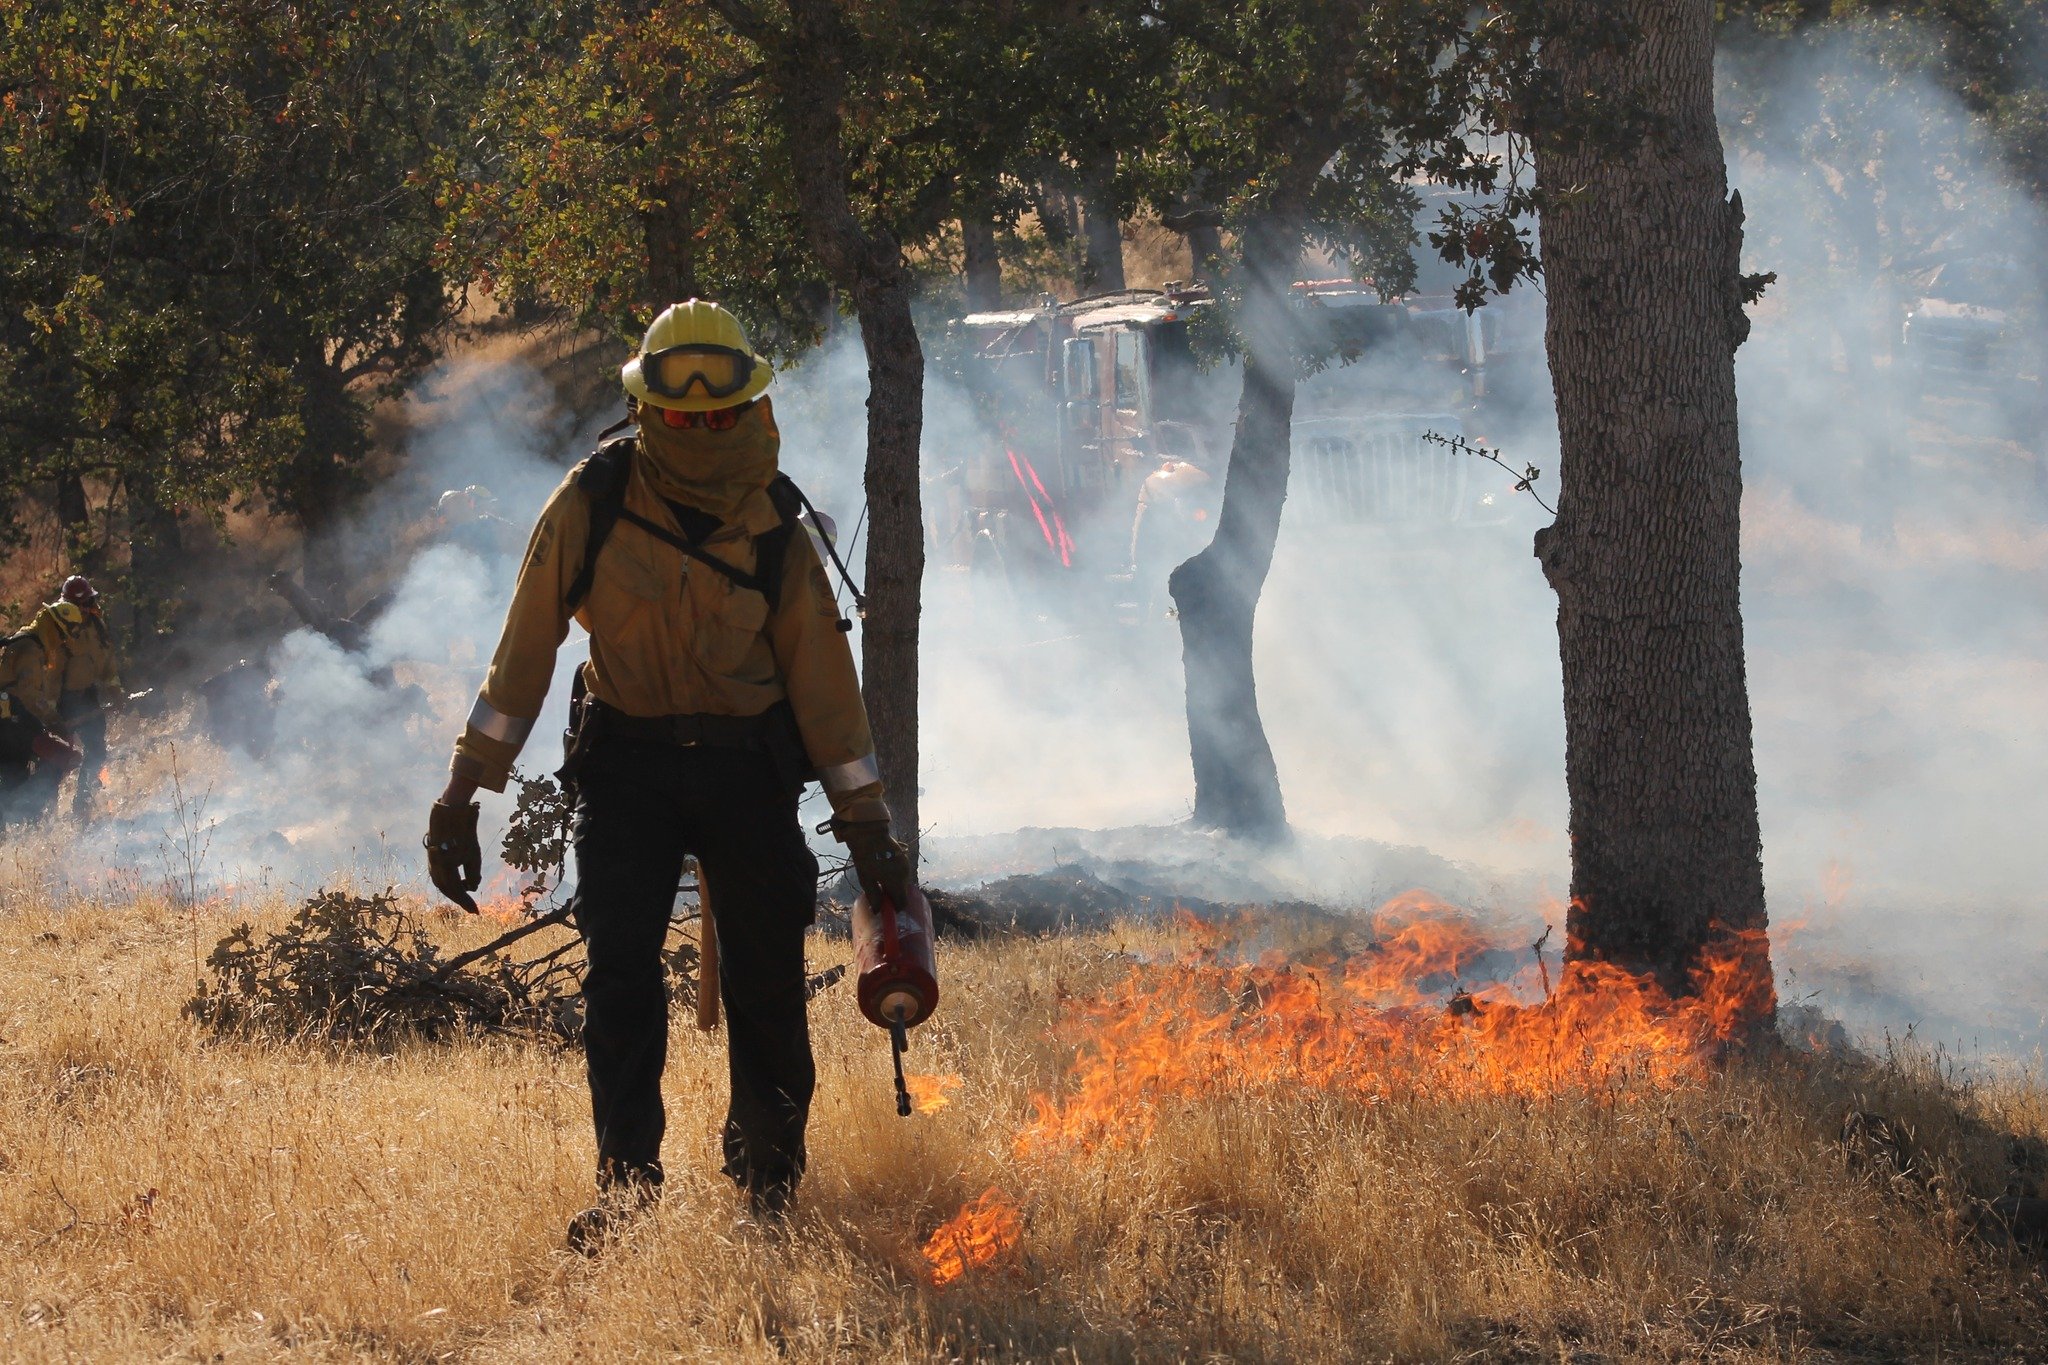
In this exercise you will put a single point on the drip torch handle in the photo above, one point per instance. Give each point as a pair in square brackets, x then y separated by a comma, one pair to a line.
[899, 1043]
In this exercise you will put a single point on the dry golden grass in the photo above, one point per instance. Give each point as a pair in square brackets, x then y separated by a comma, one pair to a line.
[163, 1195]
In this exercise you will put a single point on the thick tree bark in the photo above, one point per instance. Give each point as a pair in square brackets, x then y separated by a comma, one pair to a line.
[327, 470]
[1645, 314]
[1237, 785]
[1056, 213]
[1200, 226]
[671, 255]
[74, 514]
[1205, 244]
[808, 64]
[983, 268]
[1102, 269]
[156, 565]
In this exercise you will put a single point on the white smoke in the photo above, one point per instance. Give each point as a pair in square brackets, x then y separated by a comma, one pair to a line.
[1893, 554]
[359, 740]
[1894, 593]
[1894, 576]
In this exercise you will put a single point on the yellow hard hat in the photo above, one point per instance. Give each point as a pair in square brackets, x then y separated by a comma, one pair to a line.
[66, 615]
[695, 358]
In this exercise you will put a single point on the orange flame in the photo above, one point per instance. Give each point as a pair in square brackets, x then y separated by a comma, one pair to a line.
[1393, 1017]
[501, 909]
[505, 897]
[930, 1094]
[983, 1234]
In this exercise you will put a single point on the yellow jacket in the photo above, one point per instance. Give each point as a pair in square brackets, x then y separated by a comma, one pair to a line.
[32, 666]
[92, 662]
[671, 636]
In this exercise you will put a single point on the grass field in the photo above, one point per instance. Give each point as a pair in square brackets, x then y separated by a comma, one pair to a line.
[165, 1195]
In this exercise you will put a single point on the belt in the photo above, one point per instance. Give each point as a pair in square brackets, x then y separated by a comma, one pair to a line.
[686, 732]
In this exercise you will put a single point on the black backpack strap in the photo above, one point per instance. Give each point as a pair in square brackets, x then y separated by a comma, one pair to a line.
[771, 548]
[603, 479]
[799, 504]
[739, 577]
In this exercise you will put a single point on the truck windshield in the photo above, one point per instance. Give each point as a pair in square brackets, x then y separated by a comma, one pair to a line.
[1008, 375]
[1129, 382]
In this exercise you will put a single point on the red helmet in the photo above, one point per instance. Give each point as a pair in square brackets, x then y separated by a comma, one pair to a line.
[78, 590]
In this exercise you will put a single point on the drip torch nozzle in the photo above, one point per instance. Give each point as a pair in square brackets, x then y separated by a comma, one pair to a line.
[899, 1043]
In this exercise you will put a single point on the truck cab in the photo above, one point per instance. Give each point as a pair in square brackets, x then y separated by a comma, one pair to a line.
[1103, 415]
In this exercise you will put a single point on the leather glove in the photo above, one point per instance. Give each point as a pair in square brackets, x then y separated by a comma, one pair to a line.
[880, 863]
[455, 861]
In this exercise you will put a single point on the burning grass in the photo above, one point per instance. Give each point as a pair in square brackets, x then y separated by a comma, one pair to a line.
[1394, 1016]
[1315, 1169]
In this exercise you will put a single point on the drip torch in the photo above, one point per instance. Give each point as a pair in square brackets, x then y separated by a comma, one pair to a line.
[898, 981]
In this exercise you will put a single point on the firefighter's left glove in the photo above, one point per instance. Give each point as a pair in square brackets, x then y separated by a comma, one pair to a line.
[881, 865]
[455, 860]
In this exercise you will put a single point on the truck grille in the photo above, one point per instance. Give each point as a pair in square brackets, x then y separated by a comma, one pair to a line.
[1366, 472]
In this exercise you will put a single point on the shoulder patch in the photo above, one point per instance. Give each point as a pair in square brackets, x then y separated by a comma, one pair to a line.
[543, 546]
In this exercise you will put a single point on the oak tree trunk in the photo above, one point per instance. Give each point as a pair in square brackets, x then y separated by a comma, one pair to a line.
[1645, 314]
[74, 515]
[326, 471]
[1205, 244]
[983, 267]
[671, 256]
[1102, 269]
[157, 565]
[1216, 593]
[808, 65]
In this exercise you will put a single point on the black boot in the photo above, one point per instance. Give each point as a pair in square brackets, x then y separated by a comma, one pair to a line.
[621, 1198]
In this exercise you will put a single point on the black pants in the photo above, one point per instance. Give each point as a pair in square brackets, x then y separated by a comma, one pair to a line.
[640, 808]
[81, 711]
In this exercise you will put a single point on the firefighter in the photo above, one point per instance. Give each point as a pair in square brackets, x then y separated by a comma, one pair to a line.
[468, 517]
[34, 753]
[719, 681]
[1176, 504]
[91, 685]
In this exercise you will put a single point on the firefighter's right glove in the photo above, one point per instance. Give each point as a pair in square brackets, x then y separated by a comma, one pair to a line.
[455, 860]
[881, 865]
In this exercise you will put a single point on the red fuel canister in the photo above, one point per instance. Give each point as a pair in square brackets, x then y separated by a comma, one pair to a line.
[897, 976]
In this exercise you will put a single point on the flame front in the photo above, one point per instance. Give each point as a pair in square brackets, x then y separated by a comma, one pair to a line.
[983, 1234]
[1436, 1003]
[1393, 1017]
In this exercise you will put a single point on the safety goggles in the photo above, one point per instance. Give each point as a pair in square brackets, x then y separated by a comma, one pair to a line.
[720, 371]
[718, 419]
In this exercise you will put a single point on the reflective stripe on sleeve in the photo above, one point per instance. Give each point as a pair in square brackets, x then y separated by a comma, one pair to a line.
[488, 721]
[847, 777]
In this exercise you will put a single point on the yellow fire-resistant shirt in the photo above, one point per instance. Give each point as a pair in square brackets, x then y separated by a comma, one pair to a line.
[32, 666]
[671, 636]
[92, 662]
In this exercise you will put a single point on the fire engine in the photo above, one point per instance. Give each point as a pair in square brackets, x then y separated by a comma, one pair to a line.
[1105, 432]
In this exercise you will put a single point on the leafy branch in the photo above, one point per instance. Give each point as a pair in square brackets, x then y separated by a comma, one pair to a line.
[1525, 478]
